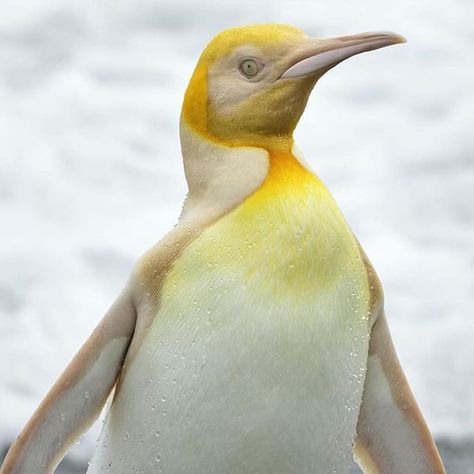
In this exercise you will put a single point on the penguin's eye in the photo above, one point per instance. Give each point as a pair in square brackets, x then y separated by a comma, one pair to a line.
[249, 67]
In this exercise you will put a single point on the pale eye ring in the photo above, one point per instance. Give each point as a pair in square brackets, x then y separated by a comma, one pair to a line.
[249, 67]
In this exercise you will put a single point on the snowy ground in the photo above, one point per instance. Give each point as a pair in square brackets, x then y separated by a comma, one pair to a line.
[90, 174]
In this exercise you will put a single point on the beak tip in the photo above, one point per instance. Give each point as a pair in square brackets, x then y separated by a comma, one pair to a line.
[397, 39]
[401, 39]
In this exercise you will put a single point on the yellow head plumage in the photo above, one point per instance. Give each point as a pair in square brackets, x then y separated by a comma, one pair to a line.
[251, 83]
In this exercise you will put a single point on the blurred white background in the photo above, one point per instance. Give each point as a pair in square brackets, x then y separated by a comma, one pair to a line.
[91, 174]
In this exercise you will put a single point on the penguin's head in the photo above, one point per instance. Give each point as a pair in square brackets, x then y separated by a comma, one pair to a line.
[251, 83]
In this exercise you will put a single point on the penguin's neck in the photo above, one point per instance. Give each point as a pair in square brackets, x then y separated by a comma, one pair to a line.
[288, 171]
[221, 177]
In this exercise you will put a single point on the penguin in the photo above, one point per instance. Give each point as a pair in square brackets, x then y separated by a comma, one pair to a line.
[252, 338]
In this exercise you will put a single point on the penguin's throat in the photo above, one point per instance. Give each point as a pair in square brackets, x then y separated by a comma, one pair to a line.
[288, 175]
[285, 168]
[220, 177]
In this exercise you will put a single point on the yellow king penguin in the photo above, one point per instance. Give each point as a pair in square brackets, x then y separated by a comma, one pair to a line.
[252, 338]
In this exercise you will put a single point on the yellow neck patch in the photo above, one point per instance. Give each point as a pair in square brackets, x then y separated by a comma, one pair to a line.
[286, 174]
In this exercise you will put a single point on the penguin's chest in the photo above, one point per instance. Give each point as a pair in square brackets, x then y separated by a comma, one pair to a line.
[256, 358]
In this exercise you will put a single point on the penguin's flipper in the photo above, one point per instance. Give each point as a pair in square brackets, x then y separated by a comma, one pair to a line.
[76, 399]
[392, 436]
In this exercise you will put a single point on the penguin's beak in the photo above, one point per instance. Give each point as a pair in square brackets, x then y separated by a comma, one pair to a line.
[319, 55]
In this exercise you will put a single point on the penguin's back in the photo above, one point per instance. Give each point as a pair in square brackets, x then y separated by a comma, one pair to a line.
[255, 359]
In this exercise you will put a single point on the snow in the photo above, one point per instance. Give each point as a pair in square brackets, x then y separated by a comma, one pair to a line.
[91, 176]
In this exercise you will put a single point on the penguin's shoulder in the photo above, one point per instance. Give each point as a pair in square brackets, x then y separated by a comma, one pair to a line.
[151, 269]
[375, 287]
